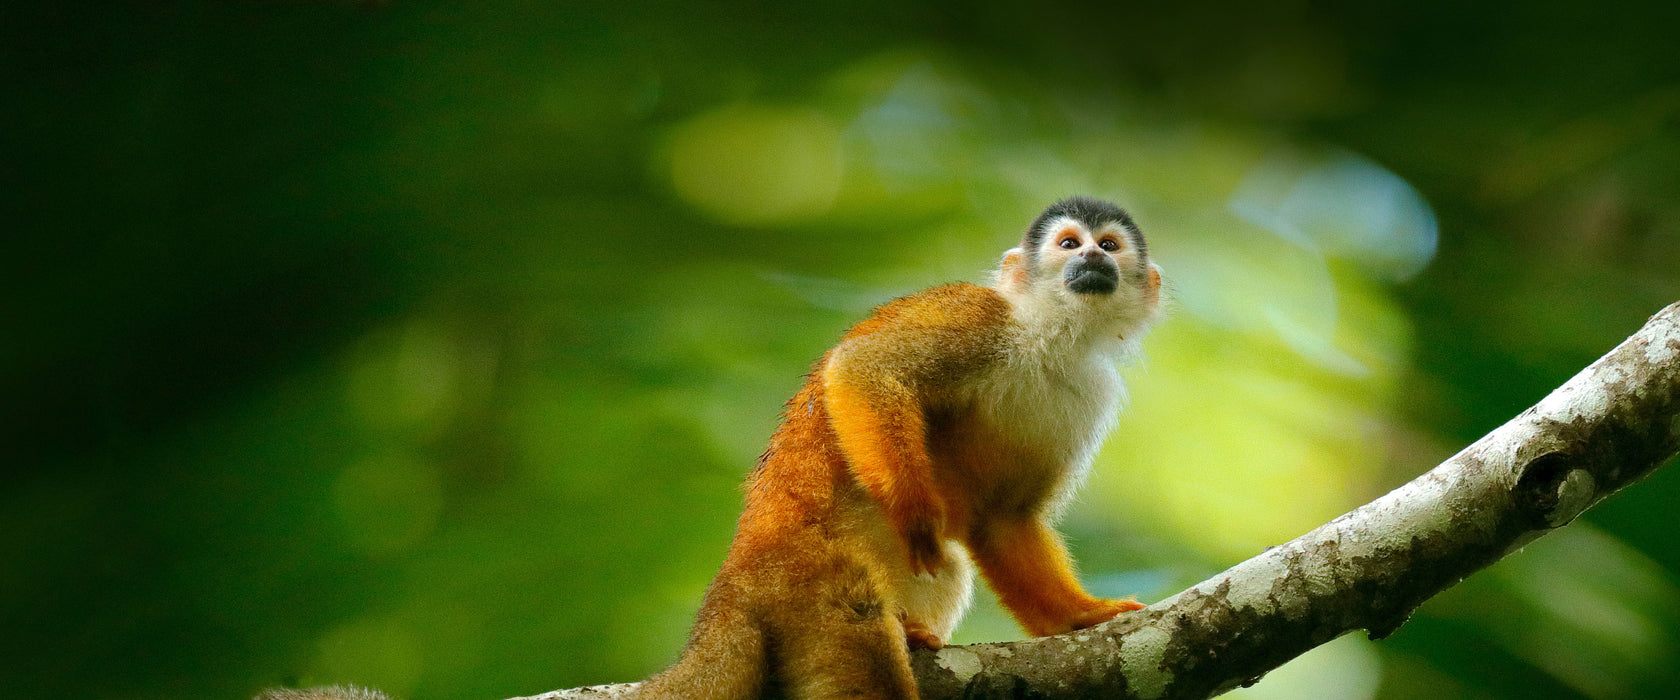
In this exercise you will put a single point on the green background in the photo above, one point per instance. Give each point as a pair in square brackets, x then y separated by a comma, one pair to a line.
[424, 344]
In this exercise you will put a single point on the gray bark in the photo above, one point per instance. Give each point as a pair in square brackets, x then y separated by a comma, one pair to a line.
[1609, 426]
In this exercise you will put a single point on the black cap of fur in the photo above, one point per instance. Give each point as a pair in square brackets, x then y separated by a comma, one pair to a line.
[1092, 212]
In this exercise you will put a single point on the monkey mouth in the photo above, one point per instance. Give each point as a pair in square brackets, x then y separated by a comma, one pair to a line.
[1092, 279]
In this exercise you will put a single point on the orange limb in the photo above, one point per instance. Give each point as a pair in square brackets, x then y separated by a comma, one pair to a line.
[1029, 568]
[882, 431]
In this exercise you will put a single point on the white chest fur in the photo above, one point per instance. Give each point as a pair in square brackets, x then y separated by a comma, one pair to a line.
[1059, 391]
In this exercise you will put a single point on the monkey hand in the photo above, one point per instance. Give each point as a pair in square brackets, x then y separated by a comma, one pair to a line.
[1104, 610]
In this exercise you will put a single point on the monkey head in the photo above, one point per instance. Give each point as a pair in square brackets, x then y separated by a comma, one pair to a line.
[1086, 253]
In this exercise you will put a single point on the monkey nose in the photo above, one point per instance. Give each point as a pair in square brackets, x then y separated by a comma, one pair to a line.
[1092, 253]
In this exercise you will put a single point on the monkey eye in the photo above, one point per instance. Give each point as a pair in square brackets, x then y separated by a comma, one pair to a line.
[1069, 243]
[1109, 245]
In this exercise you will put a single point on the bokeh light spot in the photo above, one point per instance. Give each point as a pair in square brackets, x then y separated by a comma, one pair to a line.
[755, 164]
[406, 376]
[1344, 205]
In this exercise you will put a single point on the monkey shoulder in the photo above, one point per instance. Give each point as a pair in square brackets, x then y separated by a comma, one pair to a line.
[936, 335]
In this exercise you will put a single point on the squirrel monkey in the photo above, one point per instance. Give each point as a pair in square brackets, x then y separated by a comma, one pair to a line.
[944, 433]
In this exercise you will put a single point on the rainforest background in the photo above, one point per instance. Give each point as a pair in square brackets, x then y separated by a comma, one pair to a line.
[424, 344]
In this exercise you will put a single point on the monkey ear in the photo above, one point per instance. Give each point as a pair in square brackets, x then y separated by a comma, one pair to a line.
[1152, 290]
[1012, 274]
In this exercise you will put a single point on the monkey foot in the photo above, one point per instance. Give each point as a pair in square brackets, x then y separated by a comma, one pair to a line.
[1105, 610]
[920, 637]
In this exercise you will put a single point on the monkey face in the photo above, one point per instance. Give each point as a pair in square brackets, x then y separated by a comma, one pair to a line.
[1085, 256]
[1089, 262]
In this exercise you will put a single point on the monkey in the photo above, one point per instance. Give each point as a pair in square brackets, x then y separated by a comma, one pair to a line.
[325, 692]
[944, 434]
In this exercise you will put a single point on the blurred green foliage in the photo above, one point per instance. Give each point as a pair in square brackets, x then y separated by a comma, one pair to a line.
[423, 344]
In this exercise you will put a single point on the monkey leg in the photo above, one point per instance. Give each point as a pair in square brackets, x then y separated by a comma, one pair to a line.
[918, 636]
[847, 654]
[844, 642]
[1029, 568]
[931, 606]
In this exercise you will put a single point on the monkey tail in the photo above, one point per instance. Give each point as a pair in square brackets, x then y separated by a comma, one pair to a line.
[725, 660]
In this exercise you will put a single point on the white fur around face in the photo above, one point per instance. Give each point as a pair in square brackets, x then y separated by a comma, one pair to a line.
[1060, 392]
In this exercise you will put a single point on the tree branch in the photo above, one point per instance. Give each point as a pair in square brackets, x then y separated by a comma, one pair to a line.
[1607, 427]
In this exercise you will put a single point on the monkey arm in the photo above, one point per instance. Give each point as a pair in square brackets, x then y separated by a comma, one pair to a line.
[1030, 570]
[882, 381]
[881, 428]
